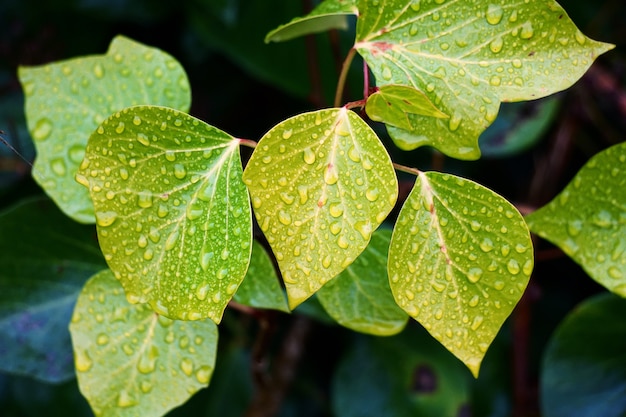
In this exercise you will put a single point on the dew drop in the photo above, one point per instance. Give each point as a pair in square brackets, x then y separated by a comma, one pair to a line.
[125, 399]
[494, 14]
[143, 139]
[186, 365]
[615, 273]
[105, 218]
[505, 250]
[82, 360]
[284, 217]
[102, 339]
[309, 156]
[336, 209]
[474, 274]
[473, 302]
[496, 45]
[171, 240]
[98, 71]
[331, 176]
[42, 129]
[147, 361]
[486, 245]
[527, 31]
[58, 167]
[478, 320]
[203, 374]
[144, 199]
[364, 228]
[342, 242]
[495, 81]
[580, 38]
[180, 171]
[386, 73]
[513, 266]
[120, 128]
[454, 123]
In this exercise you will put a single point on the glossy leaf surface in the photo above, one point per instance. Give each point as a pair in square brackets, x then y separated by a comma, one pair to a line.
[459, 261]
[393, 105]
[321, 183]
[359, 298]
[172, 213]
[330, 14]
[584, 367]
[468, 57]
[132, 362]
[587, 220]
[261, 288]
[67, 100]
[45, 259]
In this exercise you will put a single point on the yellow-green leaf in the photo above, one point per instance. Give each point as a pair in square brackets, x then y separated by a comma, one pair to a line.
[588, 219]
[67, 100]
[321, 183]
[468, 56]
[393, 104]
[132, 362]
[459, 261]
[172, 212]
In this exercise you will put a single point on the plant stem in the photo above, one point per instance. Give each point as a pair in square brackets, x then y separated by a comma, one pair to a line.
[408, 170]
[341, 84]
[247, 142]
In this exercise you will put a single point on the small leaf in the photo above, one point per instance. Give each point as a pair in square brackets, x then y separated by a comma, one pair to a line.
[172, 213]
[321, 183]
[132, 362]
[392, 104]
[261, 288]
[67, 100]
[330, 14]
[459, 261]
[45, 259]
[468, 57]
[587, 220]
[584, 367]
[359, 298]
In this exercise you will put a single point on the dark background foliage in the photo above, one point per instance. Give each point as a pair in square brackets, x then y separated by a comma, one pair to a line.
[302, 365]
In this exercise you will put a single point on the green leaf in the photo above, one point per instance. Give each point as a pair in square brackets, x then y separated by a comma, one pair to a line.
[45, 258]
[518, 127]
[459, 261]
[468, 57]
[359, 298]
[330, 14]
[584, 368]
[261, 288]
[172, 213]
[132, 362]
[587, 220]
[67, 100]
[321, 183]
[405, 375]
[392, 104]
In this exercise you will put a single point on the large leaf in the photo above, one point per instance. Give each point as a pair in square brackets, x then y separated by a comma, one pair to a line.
[468, 57]
[360, 298]
[459, 261]
[588, 219]
[132, 362]
[330, 14]
[584, 368]
[321, 183]
[172, 213]
[401, 376]
[261, 288]
[45, 258]
[67, 100]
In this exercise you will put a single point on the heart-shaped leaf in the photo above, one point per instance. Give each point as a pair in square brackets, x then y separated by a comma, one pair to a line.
[45, 259]
[132, 362]
[588, 219]
[584, 367]
[172, 213]
[67, 100]
[360, 298]
[330, 14]
[459, 261]
[321, 183]
[261, 288]
[392, 104]
[468, 57]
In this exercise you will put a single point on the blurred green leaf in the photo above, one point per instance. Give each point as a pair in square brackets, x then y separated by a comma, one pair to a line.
[261, 287]
[45, 258]
[518, 127]
[172, 213]
[321, 183]
[132, 362]
[468, 57]
[330, 14]
[67, 100]
[400, 376]
[459, 261]
[359, 298]
[587, 220]
[584, 367]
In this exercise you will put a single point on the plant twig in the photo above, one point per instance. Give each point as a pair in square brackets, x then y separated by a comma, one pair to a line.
[341, 83]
